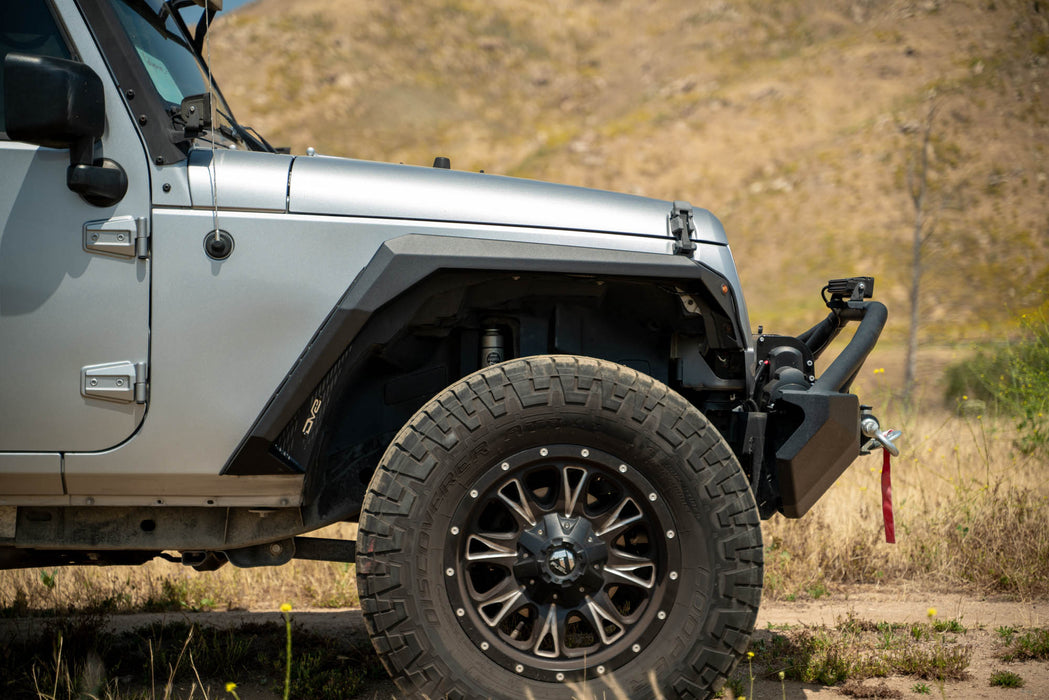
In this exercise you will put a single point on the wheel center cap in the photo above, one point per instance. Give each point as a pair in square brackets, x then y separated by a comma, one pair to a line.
[562, 561]
[560, 558]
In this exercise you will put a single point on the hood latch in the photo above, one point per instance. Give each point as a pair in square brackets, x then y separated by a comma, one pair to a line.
[682, 227]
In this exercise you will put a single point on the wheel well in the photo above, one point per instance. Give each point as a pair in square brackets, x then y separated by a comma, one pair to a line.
[423, 341]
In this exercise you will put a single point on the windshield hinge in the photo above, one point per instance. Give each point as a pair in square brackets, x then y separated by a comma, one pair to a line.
[681, 228]
[195, 112]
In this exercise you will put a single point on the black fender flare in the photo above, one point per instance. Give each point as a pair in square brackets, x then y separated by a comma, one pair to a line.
[403, 264]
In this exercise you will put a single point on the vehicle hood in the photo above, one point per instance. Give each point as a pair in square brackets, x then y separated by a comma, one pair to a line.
[320, 185]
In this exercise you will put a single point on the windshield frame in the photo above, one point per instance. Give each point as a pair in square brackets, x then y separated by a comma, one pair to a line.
[166, 142]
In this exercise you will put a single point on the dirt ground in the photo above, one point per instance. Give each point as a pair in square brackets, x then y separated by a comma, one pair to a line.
[980, 616]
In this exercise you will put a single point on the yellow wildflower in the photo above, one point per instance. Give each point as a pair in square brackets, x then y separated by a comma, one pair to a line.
[230, 687]
[931, 612]
[285, 607]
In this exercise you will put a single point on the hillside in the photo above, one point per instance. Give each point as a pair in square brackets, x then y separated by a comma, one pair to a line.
[792, 121]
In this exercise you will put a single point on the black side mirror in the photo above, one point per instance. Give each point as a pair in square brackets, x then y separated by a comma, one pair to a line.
[57, 103]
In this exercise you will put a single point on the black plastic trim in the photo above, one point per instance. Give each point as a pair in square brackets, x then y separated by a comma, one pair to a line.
[151, 117]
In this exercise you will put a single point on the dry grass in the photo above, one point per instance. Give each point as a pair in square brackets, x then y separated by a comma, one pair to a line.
[162, 585]
[790, 121]
[971, 513]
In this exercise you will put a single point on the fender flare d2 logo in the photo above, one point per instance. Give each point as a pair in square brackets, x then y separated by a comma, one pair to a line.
[314, 410]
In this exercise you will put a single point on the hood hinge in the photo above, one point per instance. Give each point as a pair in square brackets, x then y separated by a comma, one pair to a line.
[681, 228]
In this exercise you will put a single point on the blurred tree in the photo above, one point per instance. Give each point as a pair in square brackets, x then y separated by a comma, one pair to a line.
[924, 228]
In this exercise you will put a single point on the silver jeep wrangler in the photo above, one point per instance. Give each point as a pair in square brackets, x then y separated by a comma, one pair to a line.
[543, 405]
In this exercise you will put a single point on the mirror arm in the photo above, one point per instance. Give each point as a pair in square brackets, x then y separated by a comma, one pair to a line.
[102, 184]
[82, 151]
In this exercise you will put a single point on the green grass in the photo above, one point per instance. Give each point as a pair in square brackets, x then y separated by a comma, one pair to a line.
[1009, 378]
[856, 650]
[1007, 679]
[954, 626]
[1024, 645]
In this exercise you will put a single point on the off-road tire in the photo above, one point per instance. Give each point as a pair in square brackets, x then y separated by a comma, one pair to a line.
[500, 440]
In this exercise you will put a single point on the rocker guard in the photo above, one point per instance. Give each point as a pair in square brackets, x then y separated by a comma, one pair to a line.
[827, 437]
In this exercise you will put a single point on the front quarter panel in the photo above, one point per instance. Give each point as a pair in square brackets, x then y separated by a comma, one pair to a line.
[227, 333]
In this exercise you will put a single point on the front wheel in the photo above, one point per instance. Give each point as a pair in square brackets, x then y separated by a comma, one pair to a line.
[556, 521]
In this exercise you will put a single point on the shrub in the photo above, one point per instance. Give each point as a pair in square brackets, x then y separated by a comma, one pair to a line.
[1010, 379]
[1007, 679]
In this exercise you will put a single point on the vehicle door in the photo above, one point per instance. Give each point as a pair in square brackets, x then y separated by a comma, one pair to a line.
[74, 275]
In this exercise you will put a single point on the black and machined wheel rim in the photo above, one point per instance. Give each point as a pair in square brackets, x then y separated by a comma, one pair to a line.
[562, 562]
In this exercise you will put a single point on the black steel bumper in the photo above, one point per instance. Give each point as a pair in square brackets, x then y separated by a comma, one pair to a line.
[826, 436]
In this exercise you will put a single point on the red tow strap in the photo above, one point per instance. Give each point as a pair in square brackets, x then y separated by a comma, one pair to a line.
[886, 497]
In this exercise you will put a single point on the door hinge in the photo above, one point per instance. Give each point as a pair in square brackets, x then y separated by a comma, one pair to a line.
[123, 382]
[119, 237]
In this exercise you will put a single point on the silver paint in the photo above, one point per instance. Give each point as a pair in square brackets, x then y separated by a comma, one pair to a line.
[245, 180]
[337, 186]
[225, 333]
[62, 308]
